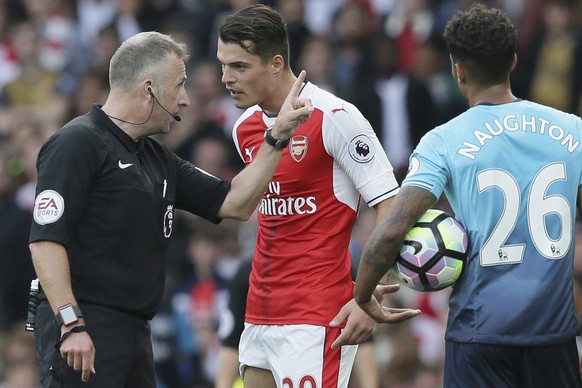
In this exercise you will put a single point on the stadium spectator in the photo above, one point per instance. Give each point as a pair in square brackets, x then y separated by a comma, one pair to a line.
[17, 270]
[351, 38]
[317, 58]
[399, 105]
[554, 59]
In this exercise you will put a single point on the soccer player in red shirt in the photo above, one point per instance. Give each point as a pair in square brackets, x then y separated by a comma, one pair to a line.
[302, 326]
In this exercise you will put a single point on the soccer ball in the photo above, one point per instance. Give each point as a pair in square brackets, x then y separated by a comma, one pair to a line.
[433, 254]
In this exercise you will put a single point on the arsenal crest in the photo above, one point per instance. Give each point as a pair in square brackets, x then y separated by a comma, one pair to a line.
[298, 147]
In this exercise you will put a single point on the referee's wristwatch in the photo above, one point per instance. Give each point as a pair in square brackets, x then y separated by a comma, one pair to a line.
[277, 143]
[68, 314]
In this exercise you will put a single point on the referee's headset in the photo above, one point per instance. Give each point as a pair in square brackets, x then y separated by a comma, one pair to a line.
[151, 93]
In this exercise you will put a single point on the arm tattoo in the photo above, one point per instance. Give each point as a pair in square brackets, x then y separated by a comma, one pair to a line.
[384, 244]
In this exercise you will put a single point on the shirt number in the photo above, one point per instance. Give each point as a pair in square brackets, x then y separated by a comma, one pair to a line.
[495, 251]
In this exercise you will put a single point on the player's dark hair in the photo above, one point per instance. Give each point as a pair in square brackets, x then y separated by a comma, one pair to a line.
[259, 30]
[484, 41]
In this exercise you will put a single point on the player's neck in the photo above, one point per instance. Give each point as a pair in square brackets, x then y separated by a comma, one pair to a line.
[272, 106]
[493, 95]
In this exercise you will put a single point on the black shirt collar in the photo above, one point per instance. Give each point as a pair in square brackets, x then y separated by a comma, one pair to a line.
[123, 137]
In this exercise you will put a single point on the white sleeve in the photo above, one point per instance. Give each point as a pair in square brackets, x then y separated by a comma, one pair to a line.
[348, 137]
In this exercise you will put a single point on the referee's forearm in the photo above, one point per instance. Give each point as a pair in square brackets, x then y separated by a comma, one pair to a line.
[52, 268]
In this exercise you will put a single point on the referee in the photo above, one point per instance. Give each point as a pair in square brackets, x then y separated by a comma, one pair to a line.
[104, 211]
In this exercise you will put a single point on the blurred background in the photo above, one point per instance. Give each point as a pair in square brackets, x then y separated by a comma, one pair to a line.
[385, 56]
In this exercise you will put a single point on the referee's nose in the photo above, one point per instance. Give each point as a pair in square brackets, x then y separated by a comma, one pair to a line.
[184, 99]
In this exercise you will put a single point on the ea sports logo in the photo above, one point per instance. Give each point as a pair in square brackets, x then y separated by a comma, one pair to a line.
[49, 206]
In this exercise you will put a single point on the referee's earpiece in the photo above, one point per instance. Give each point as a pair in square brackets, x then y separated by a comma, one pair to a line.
[151, 93]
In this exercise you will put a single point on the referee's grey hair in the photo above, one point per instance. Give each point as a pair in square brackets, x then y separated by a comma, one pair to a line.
[143, 54]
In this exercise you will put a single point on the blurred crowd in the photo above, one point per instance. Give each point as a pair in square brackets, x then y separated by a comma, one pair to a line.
[385, 56]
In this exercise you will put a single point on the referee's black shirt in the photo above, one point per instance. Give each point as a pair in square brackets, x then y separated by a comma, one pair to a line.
[110, 201]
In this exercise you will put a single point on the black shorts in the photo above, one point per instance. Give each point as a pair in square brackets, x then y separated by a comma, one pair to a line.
[123, 350]
[482, 365]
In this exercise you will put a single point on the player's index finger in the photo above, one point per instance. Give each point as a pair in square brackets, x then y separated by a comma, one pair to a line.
[298, 83]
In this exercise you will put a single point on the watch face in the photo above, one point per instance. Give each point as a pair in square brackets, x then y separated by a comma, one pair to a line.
[68, 314]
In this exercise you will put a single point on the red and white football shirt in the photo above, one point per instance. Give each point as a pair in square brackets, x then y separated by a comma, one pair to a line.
[301, 264]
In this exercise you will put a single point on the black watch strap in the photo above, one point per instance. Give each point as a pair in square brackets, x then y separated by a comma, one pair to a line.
[270, 140]
[76, 329]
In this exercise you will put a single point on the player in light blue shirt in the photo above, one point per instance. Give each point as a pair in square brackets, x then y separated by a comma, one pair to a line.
[512, 173]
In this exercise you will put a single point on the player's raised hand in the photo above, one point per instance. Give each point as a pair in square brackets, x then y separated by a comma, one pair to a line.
[294, 111]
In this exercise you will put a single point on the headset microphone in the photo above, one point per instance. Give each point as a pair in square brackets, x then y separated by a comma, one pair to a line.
[151, 93]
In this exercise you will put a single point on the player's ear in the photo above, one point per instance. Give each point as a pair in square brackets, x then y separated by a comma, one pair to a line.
[453, 69]
[277, 64]
[459, 72]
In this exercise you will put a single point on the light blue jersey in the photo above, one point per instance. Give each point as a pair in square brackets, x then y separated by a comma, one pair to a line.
[511, 174]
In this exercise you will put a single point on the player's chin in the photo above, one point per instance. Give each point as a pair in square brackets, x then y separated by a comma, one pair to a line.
[242, 103]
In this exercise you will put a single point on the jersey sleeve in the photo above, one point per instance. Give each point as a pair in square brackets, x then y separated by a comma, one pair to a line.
[67, 164]
[428, 167]
[199, 192]
[350, 140]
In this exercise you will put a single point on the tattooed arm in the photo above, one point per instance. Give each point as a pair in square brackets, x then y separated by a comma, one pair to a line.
[384, 244]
